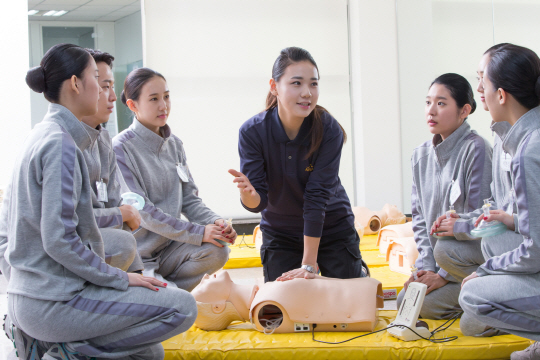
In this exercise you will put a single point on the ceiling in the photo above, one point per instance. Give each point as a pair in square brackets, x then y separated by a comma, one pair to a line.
[85, 10]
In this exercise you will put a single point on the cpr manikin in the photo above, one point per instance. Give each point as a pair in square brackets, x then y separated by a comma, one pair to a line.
[390, 233]
[289, 306]
[372, 221]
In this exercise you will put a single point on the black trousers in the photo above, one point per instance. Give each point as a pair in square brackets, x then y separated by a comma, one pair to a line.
[338, 257]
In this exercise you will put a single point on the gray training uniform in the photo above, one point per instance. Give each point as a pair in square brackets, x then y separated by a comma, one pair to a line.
[501, 185]
[506, 294]
[120, 245]
[171, 248]
[60, 289]
[456, 171]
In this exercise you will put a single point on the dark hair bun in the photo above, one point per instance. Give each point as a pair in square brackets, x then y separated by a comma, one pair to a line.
[473, 106]
[123, 98]
[35, 78]
[537, 87]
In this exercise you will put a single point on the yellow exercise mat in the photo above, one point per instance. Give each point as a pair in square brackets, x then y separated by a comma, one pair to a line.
[374, 258]
[389, 279]
[242, 342]
[246, 256]
[369, 242]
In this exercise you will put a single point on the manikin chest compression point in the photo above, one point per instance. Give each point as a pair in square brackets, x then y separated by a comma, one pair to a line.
[488, 228]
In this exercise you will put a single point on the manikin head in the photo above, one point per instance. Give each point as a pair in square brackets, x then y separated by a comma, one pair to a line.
[104, 62]
[449, 102]
[512, 82]
[220, 301]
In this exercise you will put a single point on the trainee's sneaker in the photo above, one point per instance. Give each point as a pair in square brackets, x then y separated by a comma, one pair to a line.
[530, 353]
[60, 352]
[26, 347]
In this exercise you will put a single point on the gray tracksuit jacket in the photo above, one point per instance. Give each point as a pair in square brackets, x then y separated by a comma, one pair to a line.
[148, 163]
[523, 143]
[55, 247]
[101, 162]
[461, 163]
[501, 185]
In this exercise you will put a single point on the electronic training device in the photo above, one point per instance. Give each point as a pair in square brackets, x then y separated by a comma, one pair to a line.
[406, 321]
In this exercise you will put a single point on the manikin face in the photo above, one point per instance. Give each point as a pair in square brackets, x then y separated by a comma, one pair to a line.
[154, 105]
[492, 97]
[480, 88]
[442, 113]
[213, 288]
[297, 91]
[89, 89]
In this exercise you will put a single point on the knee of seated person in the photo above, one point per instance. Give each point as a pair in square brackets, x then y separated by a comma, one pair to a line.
[470, 326]
[432, 309]
[126, 242]
[441, 252]
[219, 255]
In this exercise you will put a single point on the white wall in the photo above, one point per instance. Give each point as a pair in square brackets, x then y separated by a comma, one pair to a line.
[445, 36]
[128, 41]
[217, 57]
[14, 96]
[375, 100]
[104, 41]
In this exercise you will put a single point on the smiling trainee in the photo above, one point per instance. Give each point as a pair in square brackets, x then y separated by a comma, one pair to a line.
[289, 158]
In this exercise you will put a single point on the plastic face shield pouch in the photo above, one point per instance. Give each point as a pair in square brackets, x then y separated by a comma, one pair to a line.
[488, 228]
[135, 200]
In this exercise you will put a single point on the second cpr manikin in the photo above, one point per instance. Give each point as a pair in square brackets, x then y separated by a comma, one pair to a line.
[289, 306]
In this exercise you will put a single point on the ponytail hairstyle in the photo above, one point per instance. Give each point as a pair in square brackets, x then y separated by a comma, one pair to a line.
[59, 64]
[135, 81]
[460, 89]
[516, 69]
[287, 57]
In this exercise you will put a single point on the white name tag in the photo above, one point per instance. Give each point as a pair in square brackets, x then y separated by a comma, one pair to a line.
[511, 201]
[102, 195]
[506, 162]
[455, 192]
[182, 171]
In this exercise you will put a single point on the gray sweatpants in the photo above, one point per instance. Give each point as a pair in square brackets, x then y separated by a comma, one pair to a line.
[107, 323]
[459, 259]
[496, 304]
[121, 249]
[184, 265]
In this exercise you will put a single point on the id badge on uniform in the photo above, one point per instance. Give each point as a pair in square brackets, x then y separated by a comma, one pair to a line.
[182, 171]
[511, 201]
[455, 192]
[102, 191]
[506, 162]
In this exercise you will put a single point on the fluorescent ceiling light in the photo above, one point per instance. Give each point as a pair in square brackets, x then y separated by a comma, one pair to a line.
[60, 13]
[50, 13]
[32, 12]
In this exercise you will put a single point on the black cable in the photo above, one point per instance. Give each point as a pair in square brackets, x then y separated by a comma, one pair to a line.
[443, 340]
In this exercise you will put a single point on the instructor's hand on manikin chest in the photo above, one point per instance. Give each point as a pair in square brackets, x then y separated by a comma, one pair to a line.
[250, 197]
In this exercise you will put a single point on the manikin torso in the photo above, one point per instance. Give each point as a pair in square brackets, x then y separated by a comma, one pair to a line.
[322, 301]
